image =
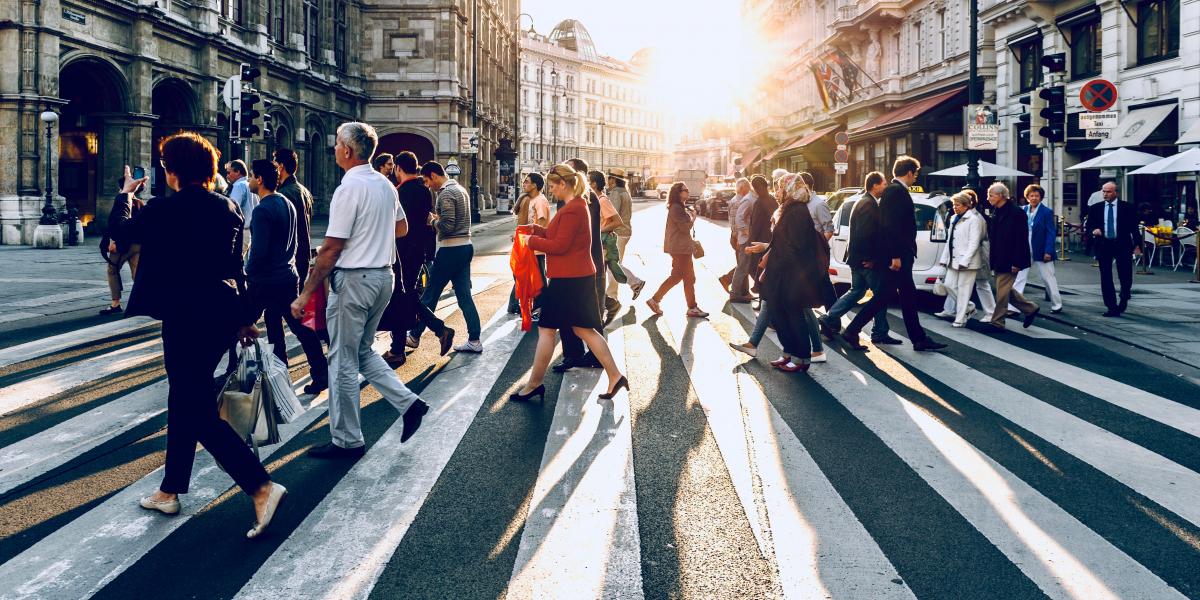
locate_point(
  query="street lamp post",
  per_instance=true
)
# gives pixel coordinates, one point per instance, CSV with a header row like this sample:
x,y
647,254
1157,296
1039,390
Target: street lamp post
x,y
475,216
49,214
973,92
517,85
554,146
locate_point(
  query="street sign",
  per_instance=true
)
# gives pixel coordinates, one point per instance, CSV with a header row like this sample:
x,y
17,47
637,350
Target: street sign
x,y
840,167
468,140
1099,120
841,156
231,91
841,138
452,169
982,126
1098,134
1098,95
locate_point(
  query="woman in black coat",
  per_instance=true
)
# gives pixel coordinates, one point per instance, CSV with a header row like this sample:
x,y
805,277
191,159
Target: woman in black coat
x,y
191,278
792,280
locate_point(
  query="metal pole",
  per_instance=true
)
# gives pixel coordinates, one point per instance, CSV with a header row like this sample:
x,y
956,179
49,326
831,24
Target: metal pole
x,y
48,213
475,216
554,146
973,92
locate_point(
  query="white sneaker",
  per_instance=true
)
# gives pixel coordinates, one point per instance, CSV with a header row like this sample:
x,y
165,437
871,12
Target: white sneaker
x,y
959,324
475,346
818,358
945,314
412,342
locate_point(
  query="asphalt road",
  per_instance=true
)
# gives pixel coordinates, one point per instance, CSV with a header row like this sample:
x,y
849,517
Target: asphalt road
x,y
1026,464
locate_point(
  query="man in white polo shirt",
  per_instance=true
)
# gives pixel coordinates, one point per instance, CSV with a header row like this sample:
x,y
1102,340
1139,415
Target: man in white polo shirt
x,y
365,218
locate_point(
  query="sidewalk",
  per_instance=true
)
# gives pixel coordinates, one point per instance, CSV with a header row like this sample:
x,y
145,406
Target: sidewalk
x,y
1163,315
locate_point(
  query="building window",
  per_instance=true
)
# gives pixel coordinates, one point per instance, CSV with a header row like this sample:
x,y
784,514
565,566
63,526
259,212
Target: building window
x,y
340,34
312,27
570,82
276,19
1158,30
1085,50
525,98
943,36
525,72
918,58
232,10
1029,57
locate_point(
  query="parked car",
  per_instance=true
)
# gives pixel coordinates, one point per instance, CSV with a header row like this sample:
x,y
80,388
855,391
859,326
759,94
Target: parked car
x,y
835,199
931,211
696,180
714,203
662,190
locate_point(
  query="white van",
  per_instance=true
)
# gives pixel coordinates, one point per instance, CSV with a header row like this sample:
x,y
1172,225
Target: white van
x,y
932,213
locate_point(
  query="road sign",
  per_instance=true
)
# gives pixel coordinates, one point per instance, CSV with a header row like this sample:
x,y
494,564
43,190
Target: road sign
x,y
1098,134
231,91
1099,120
452,169
841,156
841,138
840,167
982,126
468,140
842,147
1098,95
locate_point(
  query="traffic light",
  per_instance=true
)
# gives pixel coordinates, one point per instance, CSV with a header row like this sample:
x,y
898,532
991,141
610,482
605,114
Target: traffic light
x,y
245,109
249,109
1033,119
1054,113
1055,63
266,128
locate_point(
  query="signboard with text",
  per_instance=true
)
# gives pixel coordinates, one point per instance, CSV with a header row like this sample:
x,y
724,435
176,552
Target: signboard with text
x,y
981,127
468,140
1099,120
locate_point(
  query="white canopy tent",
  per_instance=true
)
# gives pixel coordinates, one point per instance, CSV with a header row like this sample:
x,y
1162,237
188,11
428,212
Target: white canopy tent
x,y
1121,158
986,169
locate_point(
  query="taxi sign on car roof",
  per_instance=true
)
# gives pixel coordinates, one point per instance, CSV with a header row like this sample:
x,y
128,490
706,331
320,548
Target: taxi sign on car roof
x,y
916,189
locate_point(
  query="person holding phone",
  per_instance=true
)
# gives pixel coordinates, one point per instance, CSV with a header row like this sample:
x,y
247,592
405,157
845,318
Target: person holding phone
x,y
118,253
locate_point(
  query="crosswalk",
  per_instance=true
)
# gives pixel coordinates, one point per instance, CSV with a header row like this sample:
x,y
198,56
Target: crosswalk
x,y
1009,466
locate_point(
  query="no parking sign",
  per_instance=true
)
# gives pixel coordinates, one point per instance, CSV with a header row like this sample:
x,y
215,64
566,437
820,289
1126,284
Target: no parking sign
x,y
1098,95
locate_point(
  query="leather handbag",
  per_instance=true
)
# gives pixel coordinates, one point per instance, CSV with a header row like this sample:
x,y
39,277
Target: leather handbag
x,y
697,247
245,402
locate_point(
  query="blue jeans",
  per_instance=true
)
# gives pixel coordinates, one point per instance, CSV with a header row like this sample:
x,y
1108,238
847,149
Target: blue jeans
x,y
452,265
760,324
861,279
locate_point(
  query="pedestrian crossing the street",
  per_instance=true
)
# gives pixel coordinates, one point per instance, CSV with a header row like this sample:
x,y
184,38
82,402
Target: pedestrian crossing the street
x,y
1034,464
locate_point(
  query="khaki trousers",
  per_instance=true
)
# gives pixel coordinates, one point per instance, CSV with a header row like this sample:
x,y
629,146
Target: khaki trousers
x,y
1005,295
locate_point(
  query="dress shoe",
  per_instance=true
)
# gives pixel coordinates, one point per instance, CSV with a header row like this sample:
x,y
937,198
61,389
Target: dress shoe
x,y
945,314
791,367
394,359
166,507
333,451
851,340
611,312
278,493
589,361
1123,306
446,338
827,330
782,360
818,358
621,383
539,392
886,340
412,419
745,348
1054,310
927,344
726,281
741,299
112,310
316,386
412,341
1111,313
1029,318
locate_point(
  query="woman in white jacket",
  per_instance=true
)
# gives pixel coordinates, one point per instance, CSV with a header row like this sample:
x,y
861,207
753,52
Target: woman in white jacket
x,y
964,254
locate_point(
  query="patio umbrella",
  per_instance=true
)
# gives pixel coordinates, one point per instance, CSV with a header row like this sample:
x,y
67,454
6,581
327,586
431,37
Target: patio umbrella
x,y
1120,158
1187,161
986,169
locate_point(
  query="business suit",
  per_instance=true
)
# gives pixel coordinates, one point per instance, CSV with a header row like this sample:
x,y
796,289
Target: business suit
x,y
1114,244
897,239
191,278
864,247
1009,234
1041,243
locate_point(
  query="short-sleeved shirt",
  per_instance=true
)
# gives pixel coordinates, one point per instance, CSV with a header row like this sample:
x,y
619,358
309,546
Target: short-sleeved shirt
x,y
539,208
364,211
607,210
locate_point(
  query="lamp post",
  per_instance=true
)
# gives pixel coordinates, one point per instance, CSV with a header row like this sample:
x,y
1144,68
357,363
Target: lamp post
x,y
517,84
973,92
49,214
542,102
554,147
475,216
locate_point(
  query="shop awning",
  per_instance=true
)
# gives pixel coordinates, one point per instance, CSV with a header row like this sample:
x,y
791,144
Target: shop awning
x,y
811,138
1136,126
1192,136
749,158
782,148
908,112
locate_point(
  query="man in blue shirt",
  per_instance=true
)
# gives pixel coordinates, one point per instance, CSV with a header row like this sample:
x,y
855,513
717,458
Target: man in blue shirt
x,y
239,192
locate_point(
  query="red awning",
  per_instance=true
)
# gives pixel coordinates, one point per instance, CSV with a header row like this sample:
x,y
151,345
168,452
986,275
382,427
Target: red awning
x,y
749,158
907,112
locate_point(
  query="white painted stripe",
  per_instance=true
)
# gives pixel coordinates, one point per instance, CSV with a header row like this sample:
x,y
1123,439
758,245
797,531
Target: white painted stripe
x,y
97,292
1171,485
20,395
46,450
1057,552
71,339
83,556
39,280
1151,406
347,540
580,538
18,316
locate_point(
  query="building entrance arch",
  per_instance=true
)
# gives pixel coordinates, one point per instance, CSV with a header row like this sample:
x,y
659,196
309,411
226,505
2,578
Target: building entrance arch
x,y
395,143
91,132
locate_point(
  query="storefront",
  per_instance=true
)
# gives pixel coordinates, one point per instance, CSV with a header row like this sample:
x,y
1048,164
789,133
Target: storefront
x,y
1153,128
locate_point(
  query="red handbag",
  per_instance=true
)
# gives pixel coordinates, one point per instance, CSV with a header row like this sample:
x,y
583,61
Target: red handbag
x,y
314,311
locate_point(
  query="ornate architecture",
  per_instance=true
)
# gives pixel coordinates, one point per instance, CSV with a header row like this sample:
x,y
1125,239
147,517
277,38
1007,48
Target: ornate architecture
x,y
123,74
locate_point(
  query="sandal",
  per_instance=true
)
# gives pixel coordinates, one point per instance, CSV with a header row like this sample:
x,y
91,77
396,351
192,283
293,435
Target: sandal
x,y
652,304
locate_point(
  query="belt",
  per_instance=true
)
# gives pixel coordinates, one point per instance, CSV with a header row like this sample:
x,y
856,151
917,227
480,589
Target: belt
x,y
389,268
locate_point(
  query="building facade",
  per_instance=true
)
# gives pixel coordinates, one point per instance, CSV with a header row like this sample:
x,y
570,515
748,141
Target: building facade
x,y
425,62
893,77
604,111
123,74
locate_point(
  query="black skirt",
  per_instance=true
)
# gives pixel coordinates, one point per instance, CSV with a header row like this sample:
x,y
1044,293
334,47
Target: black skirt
x,y
570,302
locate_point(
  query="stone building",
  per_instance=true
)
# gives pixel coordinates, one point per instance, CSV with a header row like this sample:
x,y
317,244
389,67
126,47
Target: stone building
x,y
417,72
123,74
895,78
605,115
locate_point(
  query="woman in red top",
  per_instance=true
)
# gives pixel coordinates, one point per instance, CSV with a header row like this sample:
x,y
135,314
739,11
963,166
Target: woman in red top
x,y
569,300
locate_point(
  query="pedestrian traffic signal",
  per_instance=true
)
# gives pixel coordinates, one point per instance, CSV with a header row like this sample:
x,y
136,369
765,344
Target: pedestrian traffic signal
x,y
1055,63
1054,113
249,113
245,109
1032,121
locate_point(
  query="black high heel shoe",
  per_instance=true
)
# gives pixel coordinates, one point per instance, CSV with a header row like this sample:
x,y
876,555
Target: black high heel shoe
x,y
621,383
539,391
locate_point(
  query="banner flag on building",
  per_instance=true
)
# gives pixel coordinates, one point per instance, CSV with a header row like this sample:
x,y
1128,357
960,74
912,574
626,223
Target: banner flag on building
x,y
827,83
837,78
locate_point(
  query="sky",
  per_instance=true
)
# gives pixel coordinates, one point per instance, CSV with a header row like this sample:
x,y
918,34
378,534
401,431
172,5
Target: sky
x,y
698,44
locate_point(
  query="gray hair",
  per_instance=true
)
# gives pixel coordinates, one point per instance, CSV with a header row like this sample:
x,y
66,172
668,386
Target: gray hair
x,y
360,138
999,189
740,181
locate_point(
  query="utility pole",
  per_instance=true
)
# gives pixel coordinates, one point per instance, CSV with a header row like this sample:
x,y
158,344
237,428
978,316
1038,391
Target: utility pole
x,y
974,94
475,216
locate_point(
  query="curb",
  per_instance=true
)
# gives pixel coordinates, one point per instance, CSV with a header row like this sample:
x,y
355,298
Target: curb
x,y
494,223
